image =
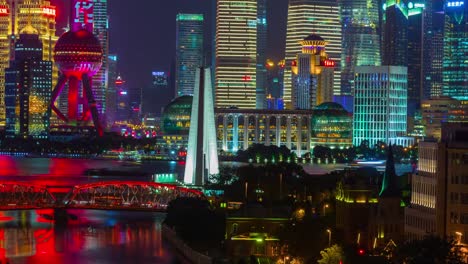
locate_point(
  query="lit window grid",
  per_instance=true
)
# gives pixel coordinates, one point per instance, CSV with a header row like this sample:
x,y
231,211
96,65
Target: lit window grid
x,y
189,53
236,37
30,12
380,106
4,60
455,62
305,18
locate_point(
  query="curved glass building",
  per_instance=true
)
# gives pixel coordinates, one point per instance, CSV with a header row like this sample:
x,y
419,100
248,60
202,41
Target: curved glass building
x,y
175,118
331,126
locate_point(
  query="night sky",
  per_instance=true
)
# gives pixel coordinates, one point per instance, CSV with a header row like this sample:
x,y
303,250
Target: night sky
x,y
142,33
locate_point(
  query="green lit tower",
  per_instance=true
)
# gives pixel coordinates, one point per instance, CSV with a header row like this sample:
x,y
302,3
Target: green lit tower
x,y
380,104
455,62
189,51
395,33
361,40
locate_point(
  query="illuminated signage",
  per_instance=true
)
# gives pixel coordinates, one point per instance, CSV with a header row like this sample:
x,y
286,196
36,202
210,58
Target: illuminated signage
x,y
455,3
48,11
3,11
247,78
123,93
86,67
328,63
158,73
85,8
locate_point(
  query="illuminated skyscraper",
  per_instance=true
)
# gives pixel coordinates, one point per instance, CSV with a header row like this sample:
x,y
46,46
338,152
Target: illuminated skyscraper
x,y
380,104
435,47
236,53
312,74
13,19
262,30
455,63
417,70
361,41
101,31
160,89
98,22
5,30
111,97
28,88
123,110
395,33
305,17
202,153
189,51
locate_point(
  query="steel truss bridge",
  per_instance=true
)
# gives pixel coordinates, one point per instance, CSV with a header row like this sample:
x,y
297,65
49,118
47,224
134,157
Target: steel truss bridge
x,y
110,195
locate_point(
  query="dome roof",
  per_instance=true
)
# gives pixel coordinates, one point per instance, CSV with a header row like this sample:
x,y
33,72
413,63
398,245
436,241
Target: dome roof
x,y
314,37
30,30
330,106
81,38
176,116
182,102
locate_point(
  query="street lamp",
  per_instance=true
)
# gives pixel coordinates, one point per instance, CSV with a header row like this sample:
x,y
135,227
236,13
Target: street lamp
x,y
459,237
324,207
329,237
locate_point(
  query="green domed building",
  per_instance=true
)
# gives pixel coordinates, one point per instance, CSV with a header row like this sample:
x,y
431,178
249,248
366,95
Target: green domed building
x,y
331,126
175,118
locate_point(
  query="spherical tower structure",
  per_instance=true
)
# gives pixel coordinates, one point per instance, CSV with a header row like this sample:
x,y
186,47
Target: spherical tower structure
x,y
78,55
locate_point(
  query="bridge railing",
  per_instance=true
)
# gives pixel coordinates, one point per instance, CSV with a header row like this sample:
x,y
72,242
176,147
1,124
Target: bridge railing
x,y
18,195
126,195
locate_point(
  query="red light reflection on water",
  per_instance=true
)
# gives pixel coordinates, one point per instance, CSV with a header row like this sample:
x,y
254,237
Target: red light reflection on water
x,y
7,166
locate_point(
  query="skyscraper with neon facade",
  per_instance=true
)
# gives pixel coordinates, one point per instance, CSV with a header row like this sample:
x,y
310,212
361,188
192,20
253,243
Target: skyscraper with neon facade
x,y
28,88
5,29
361,38
380,104
236,53
41,15
455,63
305,17
189,51
262,31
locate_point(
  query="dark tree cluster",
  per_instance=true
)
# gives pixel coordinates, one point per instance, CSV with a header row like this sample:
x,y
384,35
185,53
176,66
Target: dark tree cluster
x,y
196,222
364,150
430,250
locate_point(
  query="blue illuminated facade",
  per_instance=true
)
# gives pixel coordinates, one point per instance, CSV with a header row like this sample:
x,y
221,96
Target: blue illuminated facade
x,y
380,104
455,63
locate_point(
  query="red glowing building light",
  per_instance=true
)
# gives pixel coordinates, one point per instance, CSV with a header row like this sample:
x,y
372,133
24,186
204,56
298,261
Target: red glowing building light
x,y
49,11
294,63
329,63
247,78
4,11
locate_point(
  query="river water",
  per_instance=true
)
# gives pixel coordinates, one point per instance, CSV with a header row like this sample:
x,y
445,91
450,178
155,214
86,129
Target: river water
x,y
93,236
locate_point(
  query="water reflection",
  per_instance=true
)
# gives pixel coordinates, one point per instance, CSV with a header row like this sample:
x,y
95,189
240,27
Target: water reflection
x,y
30,236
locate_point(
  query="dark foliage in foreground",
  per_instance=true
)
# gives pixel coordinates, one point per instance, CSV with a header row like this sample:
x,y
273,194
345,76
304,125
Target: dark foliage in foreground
x,y
196,223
